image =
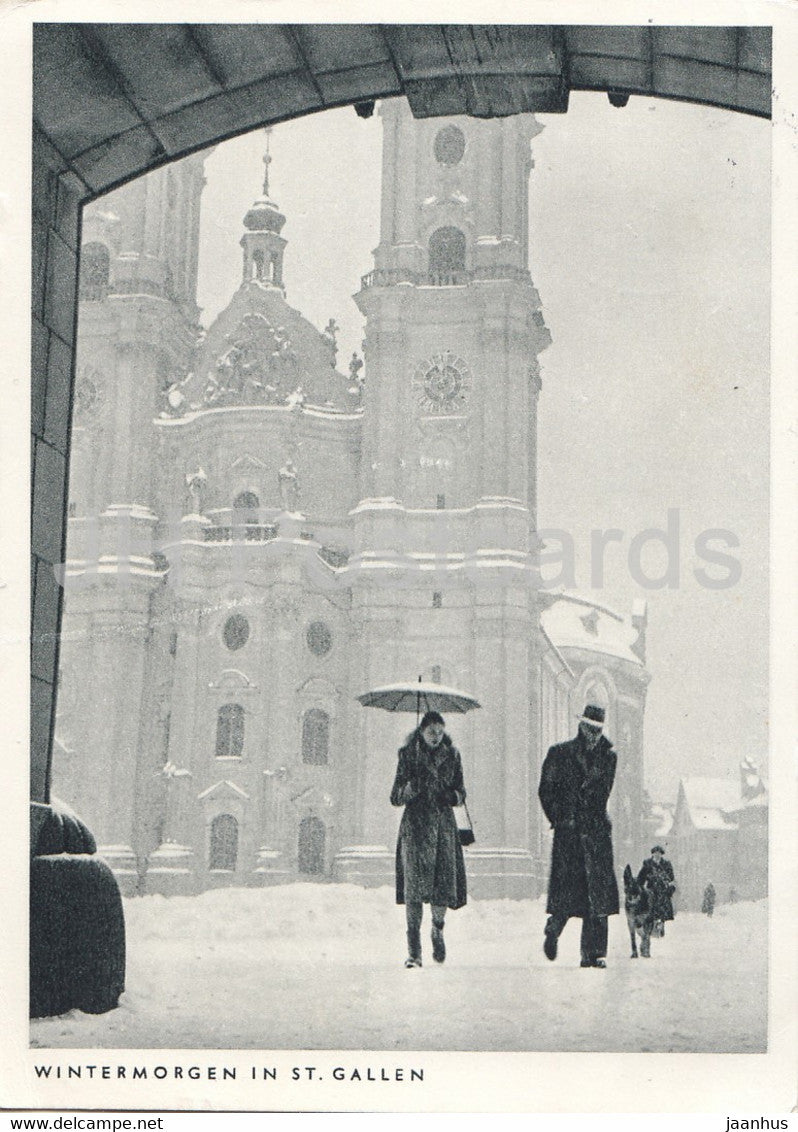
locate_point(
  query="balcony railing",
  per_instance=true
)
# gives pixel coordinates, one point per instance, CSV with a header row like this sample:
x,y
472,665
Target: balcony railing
x,y
247,532
392,277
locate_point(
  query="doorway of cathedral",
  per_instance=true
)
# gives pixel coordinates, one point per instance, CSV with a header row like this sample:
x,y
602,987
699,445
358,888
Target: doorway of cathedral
x,y
312,838
223,854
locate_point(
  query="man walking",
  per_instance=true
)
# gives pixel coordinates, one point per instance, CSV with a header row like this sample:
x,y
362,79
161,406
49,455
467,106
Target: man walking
x,y
575,784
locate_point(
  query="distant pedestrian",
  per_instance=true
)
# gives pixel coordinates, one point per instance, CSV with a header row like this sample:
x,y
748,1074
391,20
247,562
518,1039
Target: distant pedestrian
x,y
575,784
708,903
656,876
430,868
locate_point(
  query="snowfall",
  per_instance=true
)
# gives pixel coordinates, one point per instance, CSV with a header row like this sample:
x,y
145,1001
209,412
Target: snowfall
x,y
320,966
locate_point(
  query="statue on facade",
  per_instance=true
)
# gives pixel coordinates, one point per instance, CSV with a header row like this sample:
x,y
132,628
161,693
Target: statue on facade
x,y
289,487
355,377
196,483
330,335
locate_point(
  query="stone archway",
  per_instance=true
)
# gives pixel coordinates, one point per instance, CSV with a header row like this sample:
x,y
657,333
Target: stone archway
x,y
109,105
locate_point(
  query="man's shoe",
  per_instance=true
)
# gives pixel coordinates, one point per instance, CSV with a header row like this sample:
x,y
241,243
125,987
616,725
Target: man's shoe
x,y
549,944
599,963
412,962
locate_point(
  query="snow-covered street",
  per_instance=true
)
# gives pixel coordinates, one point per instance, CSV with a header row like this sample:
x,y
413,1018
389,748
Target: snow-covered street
x,y
310,966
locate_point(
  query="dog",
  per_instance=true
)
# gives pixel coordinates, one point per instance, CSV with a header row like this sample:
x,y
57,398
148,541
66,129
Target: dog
x,y
639,913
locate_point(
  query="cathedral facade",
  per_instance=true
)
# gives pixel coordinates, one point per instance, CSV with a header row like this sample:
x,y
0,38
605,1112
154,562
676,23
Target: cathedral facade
x,y
258,534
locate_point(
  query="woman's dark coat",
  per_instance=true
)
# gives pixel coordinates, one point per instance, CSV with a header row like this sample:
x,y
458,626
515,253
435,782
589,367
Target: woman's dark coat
x,y
575,784
658,879
429,858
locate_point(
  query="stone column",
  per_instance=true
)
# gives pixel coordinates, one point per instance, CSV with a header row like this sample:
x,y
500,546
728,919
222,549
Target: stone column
x,y
501,864
370,858
493,341
283,736
171,867
121,628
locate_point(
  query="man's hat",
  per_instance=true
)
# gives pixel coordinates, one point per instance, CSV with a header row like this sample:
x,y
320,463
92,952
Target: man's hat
x,y
658,849
593,715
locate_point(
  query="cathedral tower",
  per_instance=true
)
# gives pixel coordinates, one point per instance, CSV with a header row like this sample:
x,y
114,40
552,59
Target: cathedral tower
x,y
443,533
137,327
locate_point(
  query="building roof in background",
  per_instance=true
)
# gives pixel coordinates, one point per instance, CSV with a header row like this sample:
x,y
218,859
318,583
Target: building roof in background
x,y
662,814
574,622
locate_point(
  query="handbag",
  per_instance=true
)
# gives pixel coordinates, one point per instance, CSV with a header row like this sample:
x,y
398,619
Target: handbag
x,y
466,833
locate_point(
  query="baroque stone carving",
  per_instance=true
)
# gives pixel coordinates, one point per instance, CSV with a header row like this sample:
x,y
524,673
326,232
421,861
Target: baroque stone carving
x,y
288,482
260,366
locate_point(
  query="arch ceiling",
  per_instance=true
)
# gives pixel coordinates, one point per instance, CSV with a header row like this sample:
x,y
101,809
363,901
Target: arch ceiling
x,y
118,99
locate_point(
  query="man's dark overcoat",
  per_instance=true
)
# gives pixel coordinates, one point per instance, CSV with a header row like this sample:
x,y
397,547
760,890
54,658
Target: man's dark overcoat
x,y
429,857
575,785
658,879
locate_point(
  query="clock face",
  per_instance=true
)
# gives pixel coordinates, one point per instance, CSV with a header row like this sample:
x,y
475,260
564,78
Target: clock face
x,y
442,383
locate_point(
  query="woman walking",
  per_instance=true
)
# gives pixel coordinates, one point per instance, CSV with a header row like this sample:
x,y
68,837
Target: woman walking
x,y
429,857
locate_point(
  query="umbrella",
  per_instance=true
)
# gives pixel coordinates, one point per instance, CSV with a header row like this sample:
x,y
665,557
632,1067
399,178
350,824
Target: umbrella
x,y
410,695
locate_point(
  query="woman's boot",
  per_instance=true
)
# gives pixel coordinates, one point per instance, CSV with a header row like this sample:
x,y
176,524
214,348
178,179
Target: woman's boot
x,y
438,946
413,913
413,947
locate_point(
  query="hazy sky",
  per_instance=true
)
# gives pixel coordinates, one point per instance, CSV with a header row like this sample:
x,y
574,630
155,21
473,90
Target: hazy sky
x,y
650,249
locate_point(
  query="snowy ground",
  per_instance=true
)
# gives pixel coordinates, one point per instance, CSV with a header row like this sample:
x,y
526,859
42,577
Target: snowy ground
x,y
320,967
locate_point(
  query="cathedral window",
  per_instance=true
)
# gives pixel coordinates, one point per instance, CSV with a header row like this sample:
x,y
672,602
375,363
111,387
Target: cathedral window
x,y
315,737
95,271
312,836
223,854
447,255
230,732
437,600
436,674
449,145
235,632
319,638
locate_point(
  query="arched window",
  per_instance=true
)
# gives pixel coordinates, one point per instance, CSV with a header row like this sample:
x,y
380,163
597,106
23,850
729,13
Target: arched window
x,y
236,632
312,836
319,638
257,263
230,731
223,853
447,254
449,145
246,508
95,270
315,737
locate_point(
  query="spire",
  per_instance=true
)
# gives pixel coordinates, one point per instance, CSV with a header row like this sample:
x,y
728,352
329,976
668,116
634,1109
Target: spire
x,y
264,215
267,160
262,243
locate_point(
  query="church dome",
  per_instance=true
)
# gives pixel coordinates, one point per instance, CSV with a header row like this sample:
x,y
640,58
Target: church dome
x,y
264,216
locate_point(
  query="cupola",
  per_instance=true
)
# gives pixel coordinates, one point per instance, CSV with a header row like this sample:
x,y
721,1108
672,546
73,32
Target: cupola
x,y
262,243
